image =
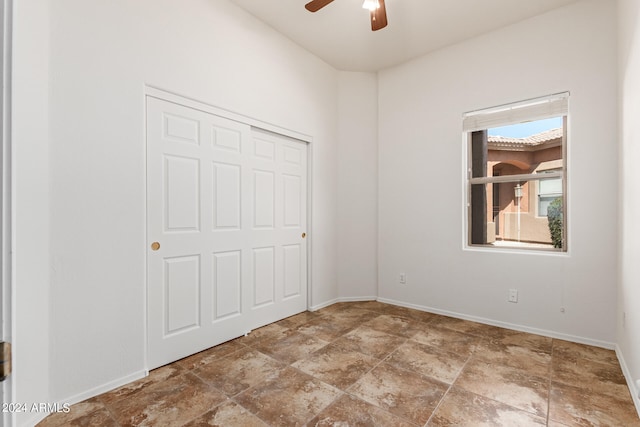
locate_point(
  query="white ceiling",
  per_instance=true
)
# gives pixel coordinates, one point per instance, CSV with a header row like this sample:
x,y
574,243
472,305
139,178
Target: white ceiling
x,y
341,34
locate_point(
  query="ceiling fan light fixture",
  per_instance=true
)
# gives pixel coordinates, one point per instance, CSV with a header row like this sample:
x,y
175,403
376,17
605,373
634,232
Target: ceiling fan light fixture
x,y
371,4
377,11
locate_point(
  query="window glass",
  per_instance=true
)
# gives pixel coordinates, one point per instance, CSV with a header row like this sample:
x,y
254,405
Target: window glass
x,y
548,191
516,176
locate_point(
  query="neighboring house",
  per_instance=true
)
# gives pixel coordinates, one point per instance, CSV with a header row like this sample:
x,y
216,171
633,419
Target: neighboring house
x,y
521,215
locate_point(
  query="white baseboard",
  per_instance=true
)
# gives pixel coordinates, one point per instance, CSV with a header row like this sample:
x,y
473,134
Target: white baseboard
x,y
634,386
634,389
111,385
357,299
341,299
324,304
35,418
506,325
30,421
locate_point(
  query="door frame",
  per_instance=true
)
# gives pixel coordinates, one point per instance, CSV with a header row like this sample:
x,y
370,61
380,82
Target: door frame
x,y
6,205
165,95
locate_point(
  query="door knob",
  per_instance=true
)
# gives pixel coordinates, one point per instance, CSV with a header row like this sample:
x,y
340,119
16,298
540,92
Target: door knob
x,y
304,235
155,246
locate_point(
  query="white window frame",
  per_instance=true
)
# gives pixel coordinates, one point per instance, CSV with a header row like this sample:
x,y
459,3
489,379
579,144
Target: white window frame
x,y
556,105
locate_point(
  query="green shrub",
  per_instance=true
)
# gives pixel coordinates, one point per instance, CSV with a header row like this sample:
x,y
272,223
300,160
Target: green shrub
x,y
555,217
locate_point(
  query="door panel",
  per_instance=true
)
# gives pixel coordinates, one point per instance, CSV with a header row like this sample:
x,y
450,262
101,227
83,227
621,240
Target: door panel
x,y
292,200
264,195
264,149
227,284
263,276
227,206
293,278
280,191
181,129
182,193
182,294
226,196
226,139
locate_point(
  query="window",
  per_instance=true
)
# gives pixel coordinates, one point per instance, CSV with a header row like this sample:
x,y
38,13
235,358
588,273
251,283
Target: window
x,y
516,174
548,190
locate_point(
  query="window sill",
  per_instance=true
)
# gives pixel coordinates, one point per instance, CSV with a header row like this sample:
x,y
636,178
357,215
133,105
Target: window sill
x,y
515,248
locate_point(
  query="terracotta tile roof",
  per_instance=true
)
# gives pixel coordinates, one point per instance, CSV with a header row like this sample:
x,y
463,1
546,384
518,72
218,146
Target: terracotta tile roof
x,y
530,142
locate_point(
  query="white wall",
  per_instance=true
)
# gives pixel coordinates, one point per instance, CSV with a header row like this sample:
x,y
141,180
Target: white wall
x,y
422,171
80,244
101,56
358,185
628,330
30,127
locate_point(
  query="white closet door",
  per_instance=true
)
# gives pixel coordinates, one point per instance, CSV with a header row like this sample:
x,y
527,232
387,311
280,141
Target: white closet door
x,y
278,224
226,213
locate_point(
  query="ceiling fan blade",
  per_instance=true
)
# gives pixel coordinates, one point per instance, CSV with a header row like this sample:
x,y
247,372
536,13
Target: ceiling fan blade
x,y
379,17
316,5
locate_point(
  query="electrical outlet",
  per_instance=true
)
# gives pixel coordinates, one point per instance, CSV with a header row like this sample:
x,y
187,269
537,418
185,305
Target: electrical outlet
x,y
403,278
513,295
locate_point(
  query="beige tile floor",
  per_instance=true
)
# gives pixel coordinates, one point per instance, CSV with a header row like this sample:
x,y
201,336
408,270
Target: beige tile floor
x,y
373,364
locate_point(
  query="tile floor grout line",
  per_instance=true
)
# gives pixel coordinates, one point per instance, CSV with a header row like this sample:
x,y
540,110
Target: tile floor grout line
x,y
345,316
384,360
550,374
435,410
111,414
342,392
381,361
232,399
290,365
346,391
206,383
108,408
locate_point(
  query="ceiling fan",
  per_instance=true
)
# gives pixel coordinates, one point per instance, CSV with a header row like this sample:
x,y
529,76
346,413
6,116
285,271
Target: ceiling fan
x,y
377,10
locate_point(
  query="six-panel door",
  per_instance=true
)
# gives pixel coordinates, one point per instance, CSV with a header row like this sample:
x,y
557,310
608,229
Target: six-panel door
x,y
226,217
